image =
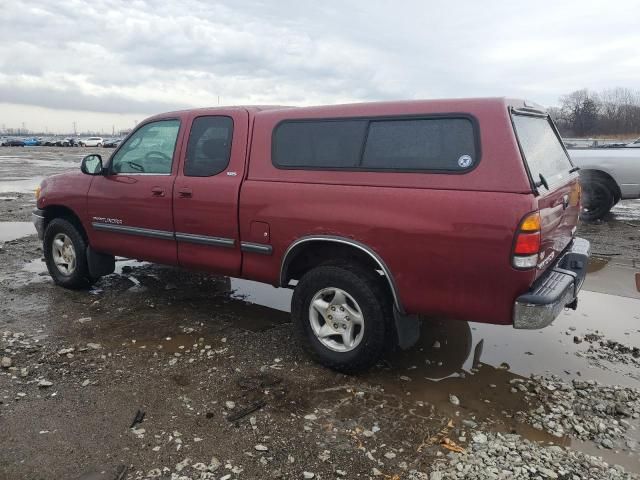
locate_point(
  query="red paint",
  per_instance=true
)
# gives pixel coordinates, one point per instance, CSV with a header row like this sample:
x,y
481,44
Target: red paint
x,y
447,239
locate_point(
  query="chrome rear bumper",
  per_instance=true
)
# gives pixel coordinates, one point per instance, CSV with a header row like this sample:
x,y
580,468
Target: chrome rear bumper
x,y
556,289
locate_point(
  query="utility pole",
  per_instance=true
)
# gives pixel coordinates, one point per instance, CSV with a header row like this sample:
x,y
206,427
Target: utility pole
x,y
75,130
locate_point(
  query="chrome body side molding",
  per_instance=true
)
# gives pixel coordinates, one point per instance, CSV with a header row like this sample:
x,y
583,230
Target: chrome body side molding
x,y
205,240
166,235
251,247
143,232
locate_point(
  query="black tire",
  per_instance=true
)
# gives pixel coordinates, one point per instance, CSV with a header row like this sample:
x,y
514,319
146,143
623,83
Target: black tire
x,y
597,198
616,198
79,277
374,302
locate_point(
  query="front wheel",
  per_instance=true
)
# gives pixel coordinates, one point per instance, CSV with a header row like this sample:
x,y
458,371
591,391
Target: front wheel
x,y
342,316
65,255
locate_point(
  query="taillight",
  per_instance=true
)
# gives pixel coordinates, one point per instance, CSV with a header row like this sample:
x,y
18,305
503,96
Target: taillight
x,y
527,242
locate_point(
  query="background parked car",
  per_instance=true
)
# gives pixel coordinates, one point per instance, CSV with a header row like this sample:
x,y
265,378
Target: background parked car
x,y
112,143
91,142
13,142
30,142
608,175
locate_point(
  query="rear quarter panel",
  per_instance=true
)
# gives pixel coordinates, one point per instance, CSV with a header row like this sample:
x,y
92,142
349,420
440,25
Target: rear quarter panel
x,y
446,238
449,251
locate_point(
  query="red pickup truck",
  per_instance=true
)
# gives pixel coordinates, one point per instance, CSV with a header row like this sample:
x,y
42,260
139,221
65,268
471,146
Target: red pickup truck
x,y
375,214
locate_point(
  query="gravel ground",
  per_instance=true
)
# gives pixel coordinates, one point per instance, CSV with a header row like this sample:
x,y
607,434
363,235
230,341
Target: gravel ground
x,y
161,373
585,410
497,456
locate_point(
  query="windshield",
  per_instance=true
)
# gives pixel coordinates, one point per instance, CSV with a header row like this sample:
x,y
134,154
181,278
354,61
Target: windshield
x,y
542,148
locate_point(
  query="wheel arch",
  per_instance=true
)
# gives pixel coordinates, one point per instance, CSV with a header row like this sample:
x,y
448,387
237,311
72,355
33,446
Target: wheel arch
x,y
61,211
295,254
594,172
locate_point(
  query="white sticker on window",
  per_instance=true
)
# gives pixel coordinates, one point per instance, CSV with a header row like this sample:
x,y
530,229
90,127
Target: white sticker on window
x,y
465,161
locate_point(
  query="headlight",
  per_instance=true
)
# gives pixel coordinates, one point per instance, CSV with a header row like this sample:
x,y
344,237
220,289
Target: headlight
x,y
37,192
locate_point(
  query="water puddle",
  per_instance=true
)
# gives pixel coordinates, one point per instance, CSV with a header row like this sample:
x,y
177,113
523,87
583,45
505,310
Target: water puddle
x,y
261,294
613,275
627,210
15,230
19,185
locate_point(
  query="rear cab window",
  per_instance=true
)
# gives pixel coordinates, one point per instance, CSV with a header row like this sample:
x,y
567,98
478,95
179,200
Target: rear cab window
x,y
437,145
542,149
209,147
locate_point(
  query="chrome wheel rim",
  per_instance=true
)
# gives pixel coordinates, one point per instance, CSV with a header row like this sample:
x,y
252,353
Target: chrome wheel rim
x,y
63,254
336,319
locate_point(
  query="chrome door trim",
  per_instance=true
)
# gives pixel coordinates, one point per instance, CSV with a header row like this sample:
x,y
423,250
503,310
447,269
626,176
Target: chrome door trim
x,y
165,235
143,232
256,248
205,240
345,241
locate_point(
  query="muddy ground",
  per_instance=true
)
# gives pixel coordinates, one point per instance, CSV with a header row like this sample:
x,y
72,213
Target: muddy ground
x,y
227,393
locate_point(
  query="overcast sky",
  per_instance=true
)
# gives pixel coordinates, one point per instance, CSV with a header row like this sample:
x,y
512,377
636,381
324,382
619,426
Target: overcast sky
x,y
107,62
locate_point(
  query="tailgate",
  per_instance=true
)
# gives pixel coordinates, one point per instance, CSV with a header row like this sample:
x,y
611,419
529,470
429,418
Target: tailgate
x,y
554,180
559,210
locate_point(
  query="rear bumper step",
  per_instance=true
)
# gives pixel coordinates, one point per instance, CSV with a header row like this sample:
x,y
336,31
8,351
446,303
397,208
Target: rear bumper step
x,y
556,289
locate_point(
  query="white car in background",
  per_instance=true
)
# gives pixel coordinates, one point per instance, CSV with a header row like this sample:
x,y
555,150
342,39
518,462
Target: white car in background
x,y
91,142
607,175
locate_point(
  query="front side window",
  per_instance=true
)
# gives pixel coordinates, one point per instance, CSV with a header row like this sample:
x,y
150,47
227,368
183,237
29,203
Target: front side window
x,y
438,144
209,146
149,150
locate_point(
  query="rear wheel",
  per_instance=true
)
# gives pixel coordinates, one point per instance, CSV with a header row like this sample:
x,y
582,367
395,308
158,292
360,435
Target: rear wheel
x,y
65,254
597,199
342,316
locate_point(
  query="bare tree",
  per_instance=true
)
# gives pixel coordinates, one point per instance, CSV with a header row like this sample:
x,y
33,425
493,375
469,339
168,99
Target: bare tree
x,y
580,109
612,111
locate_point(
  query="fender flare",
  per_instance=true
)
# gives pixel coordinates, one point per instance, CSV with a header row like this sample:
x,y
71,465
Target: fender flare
x,y
286,259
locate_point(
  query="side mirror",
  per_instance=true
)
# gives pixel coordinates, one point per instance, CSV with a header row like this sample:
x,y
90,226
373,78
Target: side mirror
x,y
91,165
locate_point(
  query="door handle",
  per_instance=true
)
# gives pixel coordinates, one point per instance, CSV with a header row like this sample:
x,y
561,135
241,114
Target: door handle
x,y
185,193
157,191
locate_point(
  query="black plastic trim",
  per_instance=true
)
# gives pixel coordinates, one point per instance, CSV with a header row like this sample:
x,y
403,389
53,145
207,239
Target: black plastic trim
x,y
205,240
256,248
143,232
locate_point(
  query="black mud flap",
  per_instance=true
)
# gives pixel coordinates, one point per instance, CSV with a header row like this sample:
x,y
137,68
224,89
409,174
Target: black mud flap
x,y
407,329
100,264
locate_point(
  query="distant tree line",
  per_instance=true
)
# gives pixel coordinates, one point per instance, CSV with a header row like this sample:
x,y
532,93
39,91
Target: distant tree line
x,y
584,112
